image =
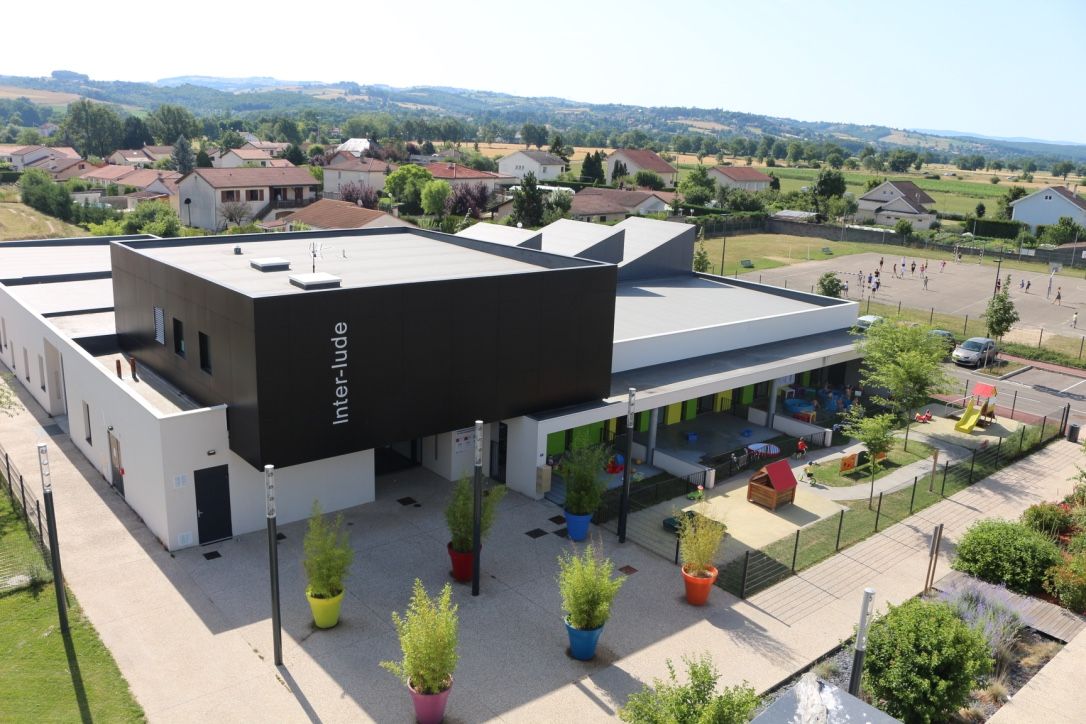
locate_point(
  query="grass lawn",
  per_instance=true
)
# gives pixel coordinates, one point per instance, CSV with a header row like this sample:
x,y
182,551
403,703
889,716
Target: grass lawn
x,y
43,675
18,221
829,473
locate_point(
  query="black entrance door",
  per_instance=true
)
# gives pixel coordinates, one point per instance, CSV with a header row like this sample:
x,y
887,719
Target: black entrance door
x,y
116,477
213,504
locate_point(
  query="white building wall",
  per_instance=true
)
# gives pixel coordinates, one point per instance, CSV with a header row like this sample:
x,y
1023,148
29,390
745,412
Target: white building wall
x,y
657,349
1040,211
526,449
452,454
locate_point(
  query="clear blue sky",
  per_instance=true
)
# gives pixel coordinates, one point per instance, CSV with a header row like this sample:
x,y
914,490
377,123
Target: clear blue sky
x,y
998,68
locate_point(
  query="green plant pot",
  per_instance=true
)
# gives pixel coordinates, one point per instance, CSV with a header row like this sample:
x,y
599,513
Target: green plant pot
x,y
325,610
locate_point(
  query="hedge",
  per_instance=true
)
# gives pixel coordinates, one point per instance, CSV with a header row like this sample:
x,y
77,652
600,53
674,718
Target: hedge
x,y
998,228
10,177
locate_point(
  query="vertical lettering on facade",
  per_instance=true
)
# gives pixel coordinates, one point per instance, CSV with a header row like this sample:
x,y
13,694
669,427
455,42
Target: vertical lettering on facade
x,y
341,411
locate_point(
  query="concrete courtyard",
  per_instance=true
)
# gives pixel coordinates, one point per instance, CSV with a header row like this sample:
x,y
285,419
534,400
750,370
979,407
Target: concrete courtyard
x,y
961,289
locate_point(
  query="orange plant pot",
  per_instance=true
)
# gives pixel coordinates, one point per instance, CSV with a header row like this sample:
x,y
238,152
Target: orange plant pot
x,y
698,587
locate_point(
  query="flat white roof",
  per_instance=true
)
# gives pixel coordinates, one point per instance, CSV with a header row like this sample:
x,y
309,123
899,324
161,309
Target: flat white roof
x,y
375,259
86,325
17,261
651,307
65,296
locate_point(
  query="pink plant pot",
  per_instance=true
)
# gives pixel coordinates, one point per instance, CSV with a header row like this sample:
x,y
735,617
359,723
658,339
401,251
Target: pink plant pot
x,y
430,708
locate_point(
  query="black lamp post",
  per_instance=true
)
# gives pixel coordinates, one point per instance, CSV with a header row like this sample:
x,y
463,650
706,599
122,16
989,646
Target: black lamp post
x,y
624,503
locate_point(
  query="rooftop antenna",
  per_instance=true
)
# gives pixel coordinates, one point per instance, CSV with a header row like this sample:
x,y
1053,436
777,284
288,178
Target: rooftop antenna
x,y
316,251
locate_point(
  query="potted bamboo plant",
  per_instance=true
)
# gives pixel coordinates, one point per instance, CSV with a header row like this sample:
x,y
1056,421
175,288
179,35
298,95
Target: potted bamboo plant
x,y
587,589
328,555
428,636
460,515
580,470
699,542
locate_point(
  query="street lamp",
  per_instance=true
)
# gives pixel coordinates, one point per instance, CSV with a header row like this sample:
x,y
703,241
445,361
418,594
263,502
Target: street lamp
x,y
624,502
54,545
273,561
477,513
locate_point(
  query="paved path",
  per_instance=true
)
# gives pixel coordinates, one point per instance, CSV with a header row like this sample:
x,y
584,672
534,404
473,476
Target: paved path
x,y
192,635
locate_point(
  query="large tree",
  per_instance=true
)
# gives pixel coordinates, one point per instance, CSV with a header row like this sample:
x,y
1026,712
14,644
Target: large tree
x,y
136,133
94,129
1062,168
529,202
1003,207
902,365
697,188
182,159
876,432
405,186
167,122
434,195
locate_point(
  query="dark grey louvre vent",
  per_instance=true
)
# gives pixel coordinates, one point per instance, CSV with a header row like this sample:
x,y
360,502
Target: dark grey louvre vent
x,y
270,263
317,280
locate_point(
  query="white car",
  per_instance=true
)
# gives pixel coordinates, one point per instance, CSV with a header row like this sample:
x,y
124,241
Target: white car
x,y
865,322
975,351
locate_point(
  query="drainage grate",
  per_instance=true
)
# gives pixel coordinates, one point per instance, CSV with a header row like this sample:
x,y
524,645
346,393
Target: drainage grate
x,y
628,570
212,555
406,501
558,519
536,533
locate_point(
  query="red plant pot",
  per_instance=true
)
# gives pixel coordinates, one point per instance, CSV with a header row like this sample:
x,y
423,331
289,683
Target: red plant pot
x,y
463,564
698,587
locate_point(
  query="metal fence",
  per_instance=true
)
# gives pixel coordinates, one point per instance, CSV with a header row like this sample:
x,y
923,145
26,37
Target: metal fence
x,y
24,558
756,570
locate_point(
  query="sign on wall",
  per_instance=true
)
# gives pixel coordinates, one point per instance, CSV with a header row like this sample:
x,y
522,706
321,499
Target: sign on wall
x,y
464,440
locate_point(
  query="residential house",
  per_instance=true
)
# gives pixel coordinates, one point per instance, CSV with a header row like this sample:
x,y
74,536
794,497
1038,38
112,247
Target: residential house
x,y
448,154
333,214
740,177
1045,207
130,157
346,168
62,168
892,201
48,129
238,157
203,193
22,156
642,159
600,204
272,148
158,153
64,152
108,174
545,166
357,147
459,175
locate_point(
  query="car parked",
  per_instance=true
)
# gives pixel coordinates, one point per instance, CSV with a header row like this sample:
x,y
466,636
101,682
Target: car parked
x,y
864,323
975,351
946,337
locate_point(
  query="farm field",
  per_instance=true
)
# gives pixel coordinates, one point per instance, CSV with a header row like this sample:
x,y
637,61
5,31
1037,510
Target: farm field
x,y
18,221
43,97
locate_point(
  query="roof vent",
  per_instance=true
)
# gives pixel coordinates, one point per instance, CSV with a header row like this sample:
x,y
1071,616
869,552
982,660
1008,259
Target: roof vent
x,y
316,280
237,249
270,263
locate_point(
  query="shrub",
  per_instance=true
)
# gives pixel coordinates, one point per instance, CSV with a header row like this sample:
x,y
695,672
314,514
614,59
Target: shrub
x,y
1067,582
1077,544
428,637
923,661
991,615
669,702
580,470
1009,553
699,540
1077,497
587,588
460,513
328,555
1050,519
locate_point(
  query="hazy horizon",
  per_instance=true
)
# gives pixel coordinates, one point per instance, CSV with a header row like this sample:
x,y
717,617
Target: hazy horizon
x,y
923,65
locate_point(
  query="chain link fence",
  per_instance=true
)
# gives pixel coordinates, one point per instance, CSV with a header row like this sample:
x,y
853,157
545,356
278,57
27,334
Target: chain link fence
x,y
24,554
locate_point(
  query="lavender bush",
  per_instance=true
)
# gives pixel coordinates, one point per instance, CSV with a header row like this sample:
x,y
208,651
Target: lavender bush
x,y
989,613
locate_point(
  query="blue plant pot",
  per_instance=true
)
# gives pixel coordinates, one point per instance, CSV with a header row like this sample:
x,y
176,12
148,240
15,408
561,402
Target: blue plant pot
x,y
577,525
582,644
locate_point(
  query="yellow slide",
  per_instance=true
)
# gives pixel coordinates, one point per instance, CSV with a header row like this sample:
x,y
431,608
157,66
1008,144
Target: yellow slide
x,y
969,418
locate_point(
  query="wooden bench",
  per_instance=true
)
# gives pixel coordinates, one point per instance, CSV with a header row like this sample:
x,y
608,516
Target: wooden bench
x,y
746,263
